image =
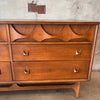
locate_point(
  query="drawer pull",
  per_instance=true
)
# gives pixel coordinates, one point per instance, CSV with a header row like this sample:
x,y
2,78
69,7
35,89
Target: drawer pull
x,y
25,53
26,71
78,52
76,70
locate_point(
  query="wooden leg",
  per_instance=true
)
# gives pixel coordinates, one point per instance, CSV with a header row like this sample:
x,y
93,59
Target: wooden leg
x,y
76,88
14,87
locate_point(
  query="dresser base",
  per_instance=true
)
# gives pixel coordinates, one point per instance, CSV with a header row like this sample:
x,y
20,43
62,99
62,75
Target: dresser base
x,y
15,87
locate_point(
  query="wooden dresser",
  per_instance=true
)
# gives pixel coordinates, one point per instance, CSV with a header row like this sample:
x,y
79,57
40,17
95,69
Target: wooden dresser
x,y
45,54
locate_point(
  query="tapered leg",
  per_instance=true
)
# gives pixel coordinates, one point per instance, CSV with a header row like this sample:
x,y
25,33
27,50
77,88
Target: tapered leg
x,y
76,88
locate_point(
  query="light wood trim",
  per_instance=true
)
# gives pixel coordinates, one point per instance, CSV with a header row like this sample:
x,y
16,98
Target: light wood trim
x,y
47,22
3,42
51,42
44,81
93,51
10,51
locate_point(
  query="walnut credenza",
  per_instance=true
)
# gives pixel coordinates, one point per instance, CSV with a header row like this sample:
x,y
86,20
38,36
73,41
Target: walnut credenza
x,y
46,55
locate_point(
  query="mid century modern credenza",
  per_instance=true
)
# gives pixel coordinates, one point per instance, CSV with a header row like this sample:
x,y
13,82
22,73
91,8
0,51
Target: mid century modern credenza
x,y
46,54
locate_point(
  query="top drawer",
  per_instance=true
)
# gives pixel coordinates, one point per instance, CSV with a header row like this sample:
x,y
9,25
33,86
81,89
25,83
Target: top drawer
x,y
3,33
51,52
52,32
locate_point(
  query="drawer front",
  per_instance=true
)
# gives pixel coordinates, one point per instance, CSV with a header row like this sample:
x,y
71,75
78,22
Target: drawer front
x,y
28,71
5,71
3,33
4,53
51,52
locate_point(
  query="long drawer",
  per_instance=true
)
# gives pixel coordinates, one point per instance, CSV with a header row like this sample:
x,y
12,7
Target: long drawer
x,y
5,71
30,71
51,52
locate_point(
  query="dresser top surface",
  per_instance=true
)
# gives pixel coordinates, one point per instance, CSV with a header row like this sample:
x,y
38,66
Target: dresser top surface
x,y
47,22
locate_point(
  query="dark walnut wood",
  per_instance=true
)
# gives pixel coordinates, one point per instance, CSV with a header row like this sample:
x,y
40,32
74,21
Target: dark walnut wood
x,y
46,54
